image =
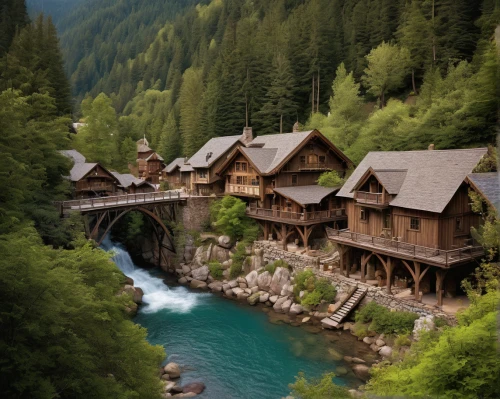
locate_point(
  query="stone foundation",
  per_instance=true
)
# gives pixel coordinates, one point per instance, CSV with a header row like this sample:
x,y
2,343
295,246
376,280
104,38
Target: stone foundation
x,y
195,212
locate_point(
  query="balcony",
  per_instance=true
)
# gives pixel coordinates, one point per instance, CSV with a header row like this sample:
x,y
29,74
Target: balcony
x,y
284,216
249,190
94,186
315,166
433,256
365,198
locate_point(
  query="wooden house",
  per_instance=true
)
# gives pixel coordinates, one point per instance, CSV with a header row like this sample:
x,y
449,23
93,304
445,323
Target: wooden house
x,y
129,184
207,160
277,174
178,173
92,180
150,164
409,216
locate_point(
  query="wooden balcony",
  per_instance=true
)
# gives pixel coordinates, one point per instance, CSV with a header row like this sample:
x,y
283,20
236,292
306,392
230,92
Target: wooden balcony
x,y
366,198
302,218
432,256
94,186
242,189
315,166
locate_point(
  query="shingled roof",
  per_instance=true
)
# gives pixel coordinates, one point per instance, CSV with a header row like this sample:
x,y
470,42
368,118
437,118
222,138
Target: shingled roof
x,y
79,170
126,179
176,163
216,147
186,168
306,195
488,185
74,155
431,180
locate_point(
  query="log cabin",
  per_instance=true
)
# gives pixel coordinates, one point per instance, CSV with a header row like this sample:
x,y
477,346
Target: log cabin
x,y
409,220
276,175
129,184
178,173
92,180
150,163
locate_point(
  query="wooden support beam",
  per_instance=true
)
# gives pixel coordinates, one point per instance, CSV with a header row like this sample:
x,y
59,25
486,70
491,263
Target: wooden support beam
x,y
363,267
389,268
440,276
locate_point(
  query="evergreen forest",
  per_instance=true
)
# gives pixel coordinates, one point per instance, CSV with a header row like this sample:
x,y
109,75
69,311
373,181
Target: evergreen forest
x,y
369,74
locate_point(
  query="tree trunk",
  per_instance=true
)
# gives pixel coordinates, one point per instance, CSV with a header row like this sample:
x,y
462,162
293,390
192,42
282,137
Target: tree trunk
x,y
413,82
382,99
312,112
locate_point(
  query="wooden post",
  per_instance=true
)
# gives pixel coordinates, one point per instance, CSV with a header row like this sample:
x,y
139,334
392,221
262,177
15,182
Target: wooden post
x,y
341,259
440,276
348,262
283,235
389,270
363,268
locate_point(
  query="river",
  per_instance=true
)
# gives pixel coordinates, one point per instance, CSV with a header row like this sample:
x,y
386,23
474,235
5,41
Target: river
x,y
230,346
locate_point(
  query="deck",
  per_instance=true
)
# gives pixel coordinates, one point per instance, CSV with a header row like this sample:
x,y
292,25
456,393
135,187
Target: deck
x,y
297,218
90,204
432,256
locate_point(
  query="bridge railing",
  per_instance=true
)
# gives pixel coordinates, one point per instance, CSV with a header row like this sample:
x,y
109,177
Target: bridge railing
x,y
99,202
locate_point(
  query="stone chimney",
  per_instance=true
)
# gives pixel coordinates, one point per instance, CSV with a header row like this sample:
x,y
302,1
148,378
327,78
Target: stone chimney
x,y
247,135
431,147
296,127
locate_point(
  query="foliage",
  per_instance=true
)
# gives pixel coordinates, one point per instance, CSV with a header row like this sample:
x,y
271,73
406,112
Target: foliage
x,y
316,290
324,388
383,321
64,329
326,290
461,362
229,216
304,281
402,340
312,298
330,179
216,270
237,260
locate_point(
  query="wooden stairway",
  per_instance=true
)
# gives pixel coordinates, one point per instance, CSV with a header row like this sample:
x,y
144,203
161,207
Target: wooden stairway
x,y
349,304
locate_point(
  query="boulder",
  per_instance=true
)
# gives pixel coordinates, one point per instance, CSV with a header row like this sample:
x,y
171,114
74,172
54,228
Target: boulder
x,y
252,279
225,287
368,340
224,242
182,280
242,296
306,319
219,254
195,387
129,280
286,306
374,347
248,291
273,298
254,298
280,278
165,377
237,291
243,285
173,370
362,371
357,360
186,269
340,370
301,294
264,297
333,307
385,351
169,385
380,342
185,395
216,286
197,284
176,389
233,284
227,264
424,323
138,294
348,359
296,309
279,303
254,290
348,326
201,273
264,281
229,292
287,290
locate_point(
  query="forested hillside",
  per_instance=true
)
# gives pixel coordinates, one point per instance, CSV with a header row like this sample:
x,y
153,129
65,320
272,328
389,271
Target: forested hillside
x,y
430,62
55,8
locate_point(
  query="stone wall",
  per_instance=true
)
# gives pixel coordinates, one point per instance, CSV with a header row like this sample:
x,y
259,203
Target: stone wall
x,y
195,212
378,294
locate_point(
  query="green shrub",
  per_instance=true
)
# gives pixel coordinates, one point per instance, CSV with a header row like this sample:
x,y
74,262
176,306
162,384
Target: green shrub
x,y
360,330
270,267
229,217
440,322
402,340
326,289
216,270
311,298
238,258
383,321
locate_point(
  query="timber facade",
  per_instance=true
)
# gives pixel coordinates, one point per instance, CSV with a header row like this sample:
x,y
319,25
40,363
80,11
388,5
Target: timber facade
x,y
409,220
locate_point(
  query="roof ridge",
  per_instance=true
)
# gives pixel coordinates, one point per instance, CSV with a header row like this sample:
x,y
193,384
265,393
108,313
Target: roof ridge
x,y
429,151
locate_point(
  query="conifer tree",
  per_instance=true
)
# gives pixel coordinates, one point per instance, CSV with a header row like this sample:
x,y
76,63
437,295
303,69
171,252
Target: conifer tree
x,y
190,101
170,143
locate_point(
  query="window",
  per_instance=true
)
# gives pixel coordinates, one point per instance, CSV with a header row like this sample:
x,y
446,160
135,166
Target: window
x,y
241,180
302,159
459,224
240,167
295,180
415,224
322,159
387,219
363,214
202,174
255,181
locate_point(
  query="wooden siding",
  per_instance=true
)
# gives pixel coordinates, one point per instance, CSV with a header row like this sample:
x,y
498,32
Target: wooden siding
x,y
426,236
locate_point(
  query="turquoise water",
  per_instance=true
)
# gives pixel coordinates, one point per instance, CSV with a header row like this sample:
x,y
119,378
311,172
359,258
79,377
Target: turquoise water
x,y
229,346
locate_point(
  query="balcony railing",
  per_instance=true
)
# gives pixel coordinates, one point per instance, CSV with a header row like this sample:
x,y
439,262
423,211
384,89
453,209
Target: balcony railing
x,y
243,189
94,186
315,166
297,216
445,257
369,198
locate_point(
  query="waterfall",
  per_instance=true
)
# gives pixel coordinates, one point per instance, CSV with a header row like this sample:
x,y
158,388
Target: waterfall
x,y
157,295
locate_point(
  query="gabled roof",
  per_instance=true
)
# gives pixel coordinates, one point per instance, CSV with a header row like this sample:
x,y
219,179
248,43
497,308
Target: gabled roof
x,y
79,170
186,168
126,180
391,179
176,163
270,152
216,147
431,180
154,155
143,148
74,155
488,185
306,195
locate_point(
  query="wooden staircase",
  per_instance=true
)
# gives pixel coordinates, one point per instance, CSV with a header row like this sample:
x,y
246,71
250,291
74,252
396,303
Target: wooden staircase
x,y
341,313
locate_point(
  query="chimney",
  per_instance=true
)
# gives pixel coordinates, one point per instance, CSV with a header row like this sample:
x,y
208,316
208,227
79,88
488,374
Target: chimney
x,y
296,127
431,147
185,160
247,135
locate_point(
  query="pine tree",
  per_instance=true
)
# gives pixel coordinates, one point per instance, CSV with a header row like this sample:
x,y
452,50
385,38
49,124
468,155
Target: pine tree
x,y
170,140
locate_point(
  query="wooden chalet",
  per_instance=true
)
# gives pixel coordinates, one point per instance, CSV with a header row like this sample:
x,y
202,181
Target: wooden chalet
x,y
150,163
178,173
129,184
409,220
277,174
205,163
92,180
